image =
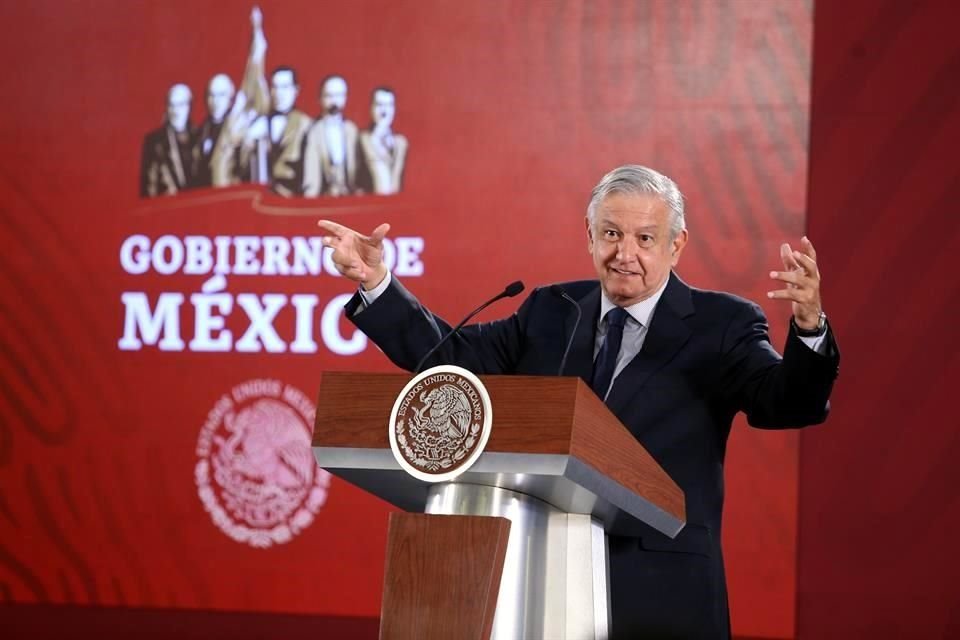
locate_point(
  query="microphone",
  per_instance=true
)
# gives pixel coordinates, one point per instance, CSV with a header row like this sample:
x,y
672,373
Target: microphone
x,y
558,291
511,290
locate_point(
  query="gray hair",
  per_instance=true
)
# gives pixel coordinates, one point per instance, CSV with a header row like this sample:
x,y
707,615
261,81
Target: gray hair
x,y
633,178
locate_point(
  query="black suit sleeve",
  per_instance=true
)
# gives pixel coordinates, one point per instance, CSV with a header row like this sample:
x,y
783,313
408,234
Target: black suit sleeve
x,y
405,330
775,392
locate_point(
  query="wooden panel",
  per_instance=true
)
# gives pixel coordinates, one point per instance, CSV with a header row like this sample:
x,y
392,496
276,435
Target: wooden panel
x,y
612,450
442,576
532,414
353,409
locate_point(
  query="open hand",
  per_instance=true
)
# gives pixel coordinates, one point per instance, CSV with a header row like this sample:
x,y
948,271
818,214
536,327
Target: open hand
x,y
356,256
803,283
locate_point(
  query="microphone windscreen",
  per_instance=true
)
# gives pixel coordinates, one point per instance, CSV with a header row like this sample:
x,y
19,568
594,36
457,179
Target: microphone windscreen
x,y
557,290
513,289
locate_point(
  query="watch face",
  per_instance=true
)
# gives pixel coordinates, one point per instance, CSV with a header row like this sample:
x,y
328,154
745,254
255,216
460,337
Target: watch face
x,y
822,325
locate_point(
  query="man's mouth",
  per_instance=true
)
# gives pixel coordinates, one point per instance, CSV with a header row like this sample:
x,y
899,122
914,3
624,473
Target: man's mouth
x,y
623,272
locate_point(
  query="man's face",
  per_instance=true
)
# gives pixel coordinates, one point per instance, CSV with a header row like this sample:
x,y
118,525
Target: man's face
x,y
178,107
219,96
333,98
631,246
283,91
383,108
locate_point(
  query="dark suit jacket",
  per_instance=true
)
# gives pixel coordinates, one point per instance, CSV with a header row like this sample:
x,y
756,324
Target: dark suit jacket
x,y
205,140
165,164
706,356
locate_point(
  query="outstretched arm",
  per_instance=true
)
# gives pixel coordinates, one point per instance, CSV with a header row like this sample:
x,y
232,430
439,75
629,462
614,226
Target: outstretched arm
x,y
254,84
405,329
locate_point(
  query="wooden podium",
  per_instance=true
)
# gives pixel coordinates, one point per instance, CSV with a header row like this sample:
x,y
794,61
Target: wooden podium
x,y
515,547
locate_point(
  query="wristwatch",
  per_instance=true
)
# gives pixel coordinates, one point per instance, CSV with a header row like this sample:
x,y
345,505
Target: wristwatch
x,y
811,333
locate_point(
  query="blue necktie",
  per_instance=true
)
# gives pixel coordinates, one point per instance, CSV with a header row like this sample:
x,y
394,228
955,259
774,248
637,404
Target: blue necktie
x,y
606,362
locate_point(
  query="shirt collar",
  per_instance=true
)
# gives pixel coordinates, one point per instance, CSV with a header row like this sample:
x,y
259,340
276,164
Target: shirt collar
x,y
641,311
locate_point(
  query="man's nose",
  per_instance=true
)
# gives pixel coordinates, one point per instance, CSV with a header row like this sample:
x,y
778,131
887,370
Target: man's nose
x,y
626,248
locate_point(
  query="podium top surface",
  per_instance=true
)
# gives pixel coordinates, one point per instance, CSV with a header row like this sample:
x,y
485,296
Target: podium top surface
x,y
552,438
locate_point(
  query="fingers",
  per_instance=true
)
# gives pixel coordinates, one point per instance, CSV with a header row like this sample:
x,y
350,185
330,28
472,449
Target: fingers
x,y
795,278
800,289
336,229
805,273
794,295
807,248
340,231
803,260
802,280
786,255
344,256
378,234
800,274
806,262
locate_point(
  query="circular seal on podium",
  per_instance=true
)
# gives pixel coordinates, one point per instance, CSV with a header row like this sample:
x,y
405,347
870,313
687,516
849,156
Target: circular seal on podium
x,y
440,423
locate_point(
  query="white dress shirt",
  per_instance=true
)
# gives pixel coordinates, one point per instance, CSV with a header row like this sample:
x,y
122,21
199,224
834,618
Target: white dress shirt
x,y
336,139
634,331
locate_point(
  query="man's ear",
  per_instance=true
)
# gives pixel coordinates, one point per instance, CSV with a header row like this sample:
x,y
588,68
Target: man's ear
x,y
589,228
676,247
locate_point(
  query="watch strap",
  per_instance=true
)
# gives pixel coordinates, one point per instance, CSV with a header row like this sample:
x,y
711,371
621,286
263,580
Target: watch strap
x,y
811,333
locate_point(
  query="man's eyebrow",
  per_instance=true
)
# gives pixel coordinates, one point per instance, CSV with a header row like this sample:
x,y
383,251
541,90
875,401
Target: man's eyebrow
x,y
644,229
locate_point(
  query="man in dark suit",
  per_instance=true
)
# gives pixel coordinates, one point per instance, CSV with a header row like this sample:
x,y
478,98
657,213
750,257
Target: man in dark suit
x,y
674,363
165,159
220,93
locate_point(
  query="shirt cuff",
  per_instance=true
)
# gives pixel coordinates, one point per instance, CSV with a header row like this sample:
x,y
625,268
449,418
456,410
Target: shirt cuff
x,y
369,297
817,343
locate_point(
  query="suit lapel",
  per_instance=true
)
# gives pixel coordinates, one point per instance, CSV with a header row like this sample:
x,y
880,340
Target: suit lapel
x,y
667,334
580,360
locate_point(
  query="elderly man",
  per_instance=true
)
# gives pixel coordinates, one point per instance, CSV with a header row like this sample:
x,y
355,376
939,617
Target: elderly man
x,y
330,158
220,92
165,167
383,153
673,363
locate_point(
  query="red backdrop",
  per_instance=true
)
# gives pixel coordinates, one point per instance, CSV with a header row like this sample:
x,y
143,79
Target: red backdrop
x,y
513,111
879,514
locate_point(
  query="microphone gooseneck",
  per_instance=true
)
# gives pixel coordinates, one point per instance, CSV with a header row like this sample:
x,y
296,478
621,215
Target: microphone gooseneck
x,y
511,290
558,291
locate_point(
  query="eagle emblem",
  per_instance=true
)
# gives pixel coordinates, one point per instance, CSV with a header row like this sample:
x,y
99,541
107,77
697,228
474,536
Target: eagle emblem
x,y
440,423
